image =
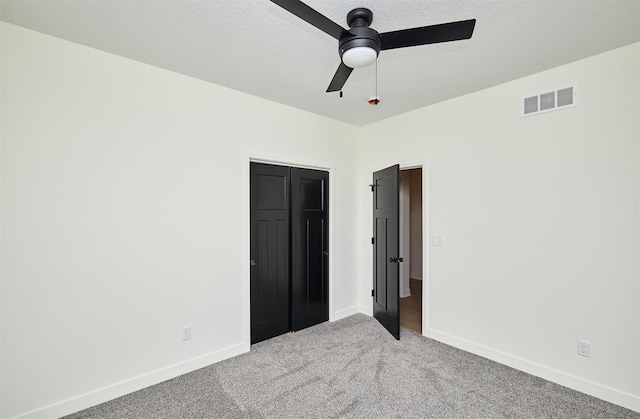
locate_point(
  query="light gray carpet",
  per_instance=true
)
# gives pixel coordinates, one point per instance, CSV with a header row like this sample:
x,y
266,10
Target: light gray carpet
x,y
353,368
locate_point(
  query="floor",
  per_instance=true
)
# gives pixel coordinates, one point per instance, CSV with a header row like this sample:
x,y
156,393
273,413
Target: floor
x,y
411,307
352,369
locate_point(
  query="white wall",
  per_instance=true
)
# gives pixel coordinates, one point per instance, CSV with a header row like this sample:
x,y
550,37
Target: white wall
x,y
124,218
541,222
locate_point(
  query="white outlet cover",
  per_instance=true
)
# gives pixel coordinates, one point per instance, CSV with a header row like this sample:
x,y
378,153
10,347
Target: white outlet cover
x,y
186,333
584,348
437,241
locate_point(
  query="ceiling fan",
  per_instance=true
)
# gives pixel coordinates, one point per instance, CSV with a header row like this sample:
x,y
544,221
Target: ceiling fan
x,y
360,45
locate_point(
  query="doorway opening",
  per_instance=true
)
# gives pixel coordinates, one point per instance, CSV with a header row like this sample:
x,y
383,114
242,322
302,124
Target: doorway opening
x,y
411,301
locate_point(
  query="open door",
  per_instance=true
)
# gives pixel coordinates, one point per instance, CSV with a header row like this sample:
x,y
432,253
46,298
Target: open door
x,y
386,295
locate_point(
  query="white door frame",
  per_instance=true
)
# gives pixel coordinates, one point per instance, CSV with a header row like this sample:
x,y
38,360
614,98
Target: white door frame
x,y
424,165
405,236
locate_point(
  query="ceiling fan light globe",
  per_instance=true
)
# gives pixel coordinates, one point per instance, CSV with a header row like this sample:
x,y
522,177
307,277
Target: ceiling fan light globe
x,y
358,57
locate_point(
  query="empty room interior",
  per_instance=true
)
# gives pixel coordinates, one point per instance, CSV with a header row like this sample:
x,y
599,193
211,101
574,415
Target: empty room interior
x,y
129,136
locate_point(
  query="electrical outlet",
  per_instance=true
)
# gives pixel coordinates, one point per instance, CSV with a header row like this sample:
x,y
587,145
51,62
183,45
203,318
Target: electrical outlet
x,y
186,333
584,348
437,241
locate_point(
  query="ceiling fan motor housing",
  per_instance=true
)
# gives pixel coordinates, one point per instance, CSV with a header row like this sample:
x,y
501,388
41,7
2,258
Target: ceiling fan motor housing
x,y
363,36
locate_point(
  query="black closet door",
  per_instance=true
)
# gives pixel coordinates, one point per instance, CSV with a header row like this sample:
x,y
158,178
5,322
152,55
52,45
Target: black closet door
x,y
270,280
309,247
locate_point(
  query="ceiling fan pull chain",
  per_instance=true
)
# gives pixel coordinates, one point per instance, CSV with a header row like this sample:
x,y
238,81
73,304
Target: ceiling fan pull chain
x,y
374,100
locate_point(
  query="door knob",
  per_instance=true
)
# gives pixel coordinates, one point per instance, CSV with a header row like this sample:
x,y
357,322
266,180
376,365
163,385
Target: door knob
x,y
400,259
393,260
326,253
252,262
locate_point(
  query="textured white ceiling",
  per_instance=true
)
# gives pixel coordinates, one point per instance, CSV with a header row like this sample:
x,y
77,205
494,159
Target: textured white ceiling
x,y
256,47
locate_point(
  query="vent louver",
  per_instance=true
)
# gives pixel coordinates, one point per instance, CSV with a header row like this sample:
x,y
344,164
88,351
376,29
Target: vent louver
x,y
549,101
531,104
565,96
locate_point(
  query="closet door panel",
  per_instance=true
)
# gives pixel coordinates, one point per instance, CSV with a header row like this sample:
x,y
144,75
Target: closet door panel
x,y
270,249
309,247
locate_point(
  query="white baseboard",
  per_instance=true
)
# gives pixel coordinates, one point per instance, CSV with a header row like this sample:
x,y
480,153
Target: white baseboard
x,y
368,310
341,314
122,388
591,388
105,394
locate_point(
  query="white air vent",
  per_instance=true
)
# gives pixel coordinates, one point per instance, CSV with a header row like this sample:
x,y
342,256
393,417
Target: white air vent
x,y
549,101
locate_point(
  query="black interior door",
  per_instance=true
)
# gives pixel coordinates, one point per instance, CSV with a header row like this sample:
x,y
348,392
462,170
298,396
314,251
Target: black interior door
x,y
309,248
270,280
386,295
289,249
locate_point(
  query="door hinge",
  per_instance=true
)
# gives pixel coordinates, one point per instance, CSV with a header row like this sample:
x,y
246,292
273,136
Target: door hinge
x,y
373,187
373,293
373,240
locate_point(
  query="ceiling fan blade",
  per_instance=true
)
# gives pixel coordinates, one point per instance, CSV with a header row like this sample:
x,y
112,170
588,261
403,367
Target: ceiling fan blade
x,y
313,17
452,31
340,78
